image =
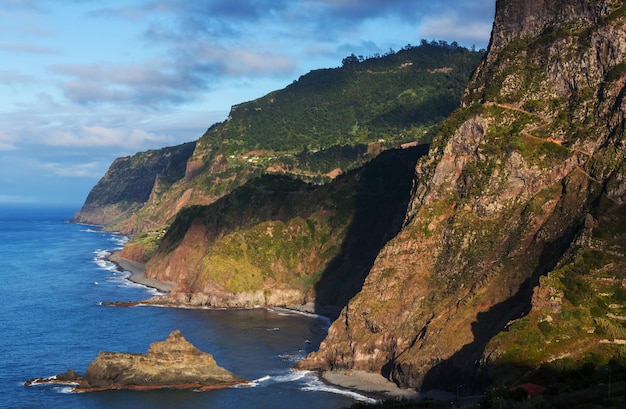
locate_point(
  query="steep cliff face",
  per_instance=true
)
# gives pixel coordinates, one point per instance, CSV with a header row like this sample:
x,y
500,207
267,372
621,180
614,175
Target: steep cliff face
x,y
132,181
280,241
511,186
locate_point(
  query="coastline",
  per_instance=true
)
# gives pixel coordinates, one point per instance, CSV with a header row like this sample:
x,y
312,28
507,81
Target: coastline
x,y
359,381
137,272
369,383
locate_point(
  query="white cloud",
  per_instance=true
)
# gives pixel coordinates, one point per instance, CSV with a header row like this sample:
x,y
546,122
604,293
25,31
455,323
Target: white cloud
x,y
16,199
28,48
99,136
74,170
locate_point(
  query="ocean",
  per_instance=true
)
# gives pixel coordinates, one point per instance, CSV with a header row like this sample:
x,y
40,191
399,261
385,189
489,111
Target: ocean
x,y
54,278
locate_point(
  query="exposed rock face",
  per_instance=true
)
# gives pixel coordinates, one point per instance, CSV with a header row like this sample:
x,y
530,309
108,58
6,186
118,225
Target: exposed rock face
x,y
277,241
502,199
132,181
516,19
173,363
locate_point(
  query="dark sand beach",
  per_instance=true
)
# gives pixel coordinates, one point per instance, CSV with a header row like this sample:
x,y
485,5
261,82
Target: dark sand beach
x,y
137,272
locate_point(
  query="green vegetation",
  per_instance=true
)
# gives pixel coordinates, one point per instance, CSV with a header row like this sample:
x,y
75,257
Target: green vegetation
x,y
279,232
334,120
388,97
617,72
577,328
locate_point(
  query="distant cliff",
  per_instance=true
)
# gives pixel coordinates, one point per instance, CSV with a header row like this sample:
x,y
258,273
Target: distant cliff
x,y
130,182
512,253
324,124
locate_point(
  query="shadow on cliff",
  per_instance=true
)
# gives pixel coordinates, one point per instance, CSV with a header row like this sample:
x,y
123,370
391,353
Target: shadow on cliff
x,y
464,372
381,199
370,201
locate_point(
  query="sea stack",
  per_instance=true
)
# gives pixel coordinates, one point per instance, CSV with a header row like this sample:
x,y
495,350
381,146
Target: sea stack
x,y
173,363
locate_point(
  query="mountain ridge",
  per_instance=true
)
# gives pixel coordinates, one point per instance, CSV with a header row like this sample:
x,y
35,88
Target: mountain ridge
x,y
326,123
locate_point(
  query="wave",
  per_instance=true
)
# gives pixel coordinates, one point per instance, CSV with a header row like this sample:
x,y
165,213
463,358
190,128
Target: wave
x,y
65,389
310,383
125,282
92,231
294,356
314,384
286,312
119,240
267,380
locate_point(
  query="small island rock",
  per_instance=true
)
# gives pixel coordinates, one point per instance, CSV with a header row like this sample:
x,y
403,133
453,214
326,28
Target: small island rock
x,y
173,363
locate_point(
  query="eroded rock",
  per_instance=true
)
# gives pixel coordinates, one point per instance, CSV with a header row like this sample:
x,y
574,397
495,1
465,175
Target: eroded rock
x,y
174,363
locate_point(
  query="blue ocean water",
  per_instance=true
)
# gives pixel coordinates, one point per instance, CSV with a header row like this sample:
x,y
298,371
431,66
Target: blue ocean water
x,y
53,281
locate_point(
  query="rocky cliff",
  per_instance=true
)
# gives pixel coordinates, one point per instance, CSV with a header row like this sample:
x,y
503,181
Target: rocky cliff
x,y
512,251
324,124
280,241
131,182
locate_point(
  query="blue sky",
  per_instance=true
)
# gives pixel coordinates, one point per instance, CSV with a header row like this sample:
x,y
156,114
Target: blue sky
x,y
84,81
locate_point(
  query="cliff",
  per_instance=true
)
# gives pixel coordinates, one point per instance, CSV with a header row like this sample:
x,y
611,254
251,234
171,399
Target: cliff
x,y
131,182
326,123
280,241
512,251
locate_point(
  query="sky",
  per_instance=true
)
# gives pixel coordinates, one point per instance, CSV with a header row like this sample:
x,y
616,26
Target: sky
x,y
83,82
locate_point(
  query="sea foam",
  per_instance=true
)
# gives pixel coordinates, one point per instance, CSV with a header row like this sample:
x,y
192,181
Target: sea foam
x,y
314,384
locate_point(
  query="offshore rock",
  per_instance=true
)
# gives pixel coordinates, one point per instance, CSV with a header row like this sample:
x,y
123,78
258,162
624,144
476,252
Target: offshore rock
x,y
173,363
69,377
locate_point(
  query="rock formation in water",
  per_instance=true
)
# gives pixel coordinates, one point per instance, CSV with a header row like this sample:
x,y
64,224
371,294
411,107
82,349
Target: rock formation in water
x,y
174,363
512,252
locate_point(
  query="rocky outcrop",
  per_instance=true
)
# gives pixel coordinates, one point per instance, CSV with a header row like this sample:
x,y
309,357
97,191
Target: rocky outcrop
x,y
500,202
515,20
173,363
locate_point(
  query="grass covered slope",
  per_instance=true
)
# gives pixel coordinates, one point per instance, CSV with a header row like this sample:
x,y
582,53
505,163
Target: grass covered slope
x,y
278,241
333,120
324,124
395,97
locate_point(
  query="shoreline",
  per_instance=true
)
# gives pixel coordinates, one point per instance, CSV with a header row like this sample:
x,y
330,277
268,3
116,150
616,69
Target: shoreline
x,y
137,272
369,384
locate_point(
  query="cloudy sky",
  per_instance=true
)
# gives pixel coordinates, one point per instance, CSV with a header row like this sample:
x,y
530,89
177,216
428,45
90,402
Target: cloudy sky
x,y
85,81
